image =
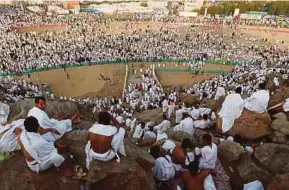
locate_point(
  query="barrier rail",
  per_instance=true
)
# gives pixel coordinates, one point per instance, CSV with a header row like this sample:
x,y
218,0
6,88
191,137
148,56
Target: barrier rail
x,y
114,62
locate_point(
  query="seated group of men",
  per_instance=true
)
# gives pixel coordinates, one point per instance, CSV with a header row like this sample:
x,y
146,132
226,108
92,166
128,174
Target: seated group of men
x,y
177,167
36,136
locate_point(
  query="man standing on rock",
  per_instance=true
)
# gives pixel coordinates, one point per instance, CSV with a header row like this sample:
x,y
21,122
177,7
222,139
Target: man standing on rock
x,y
232,109
61,126
105,141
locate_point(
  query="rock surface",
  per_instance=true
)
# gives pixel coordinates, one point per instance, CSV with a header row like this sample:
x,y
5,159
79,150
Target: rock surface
x,y
155,115
280,96
15,175
279,182
249,125
281,125
249,171
274,157
133,172
230,150
188,99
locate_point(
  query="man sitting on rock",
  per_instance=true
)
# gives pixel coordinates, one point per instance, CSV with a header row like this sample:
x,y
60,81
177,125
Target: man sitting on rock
x,y
105,140
232,109
203,123
186,125
163,126
61,126
39,154
163,170
258,101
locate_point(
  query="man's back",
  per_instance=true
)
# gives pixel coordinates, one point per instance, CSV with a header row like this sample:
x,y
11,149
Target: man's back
x,y
100,137
196,182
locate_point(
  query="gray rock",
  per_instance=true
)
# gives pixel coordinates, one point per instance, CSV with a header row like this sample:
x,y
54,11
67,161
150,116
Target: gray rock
x,y
249,171
280,115
281,126
230,150
279,182
274,157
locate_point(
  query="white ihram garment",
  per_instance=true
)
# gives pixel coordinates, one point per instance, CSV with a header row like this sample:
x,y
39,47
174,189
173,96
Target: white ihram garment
x,y
117,144
4,112
164,125
258,101
44,153
163,169
220,92
231,109
45,122
209,157
8,141
186,125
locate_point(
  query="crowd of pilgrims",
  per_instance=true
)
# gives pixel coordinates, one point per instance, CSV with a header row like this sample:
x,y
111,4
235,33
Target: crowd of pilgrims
x,y
20,51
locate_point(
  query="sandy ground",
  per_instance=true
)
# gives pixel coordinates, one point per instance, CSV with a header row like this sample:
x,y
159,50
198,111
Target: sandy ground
x,y
84,81
185,79
273,35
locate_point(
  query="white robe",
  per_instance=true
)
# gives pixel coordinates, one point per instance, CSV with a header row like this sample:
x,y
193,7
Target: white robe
x,y
186,125
117,144
231,109
220,92
202,124
45,122
163,169
209,157
4,112
164,125
258,101
8,141
138,132
44,153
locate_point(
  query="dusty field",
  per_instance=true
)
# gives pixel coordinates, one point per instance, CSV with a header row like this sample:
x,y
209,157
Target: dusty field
x,y
84,81
273,35
185,79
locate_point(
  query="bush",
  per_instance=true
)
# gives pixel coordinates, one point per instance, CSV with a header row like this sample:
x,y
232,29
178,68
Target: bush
x,y
144,4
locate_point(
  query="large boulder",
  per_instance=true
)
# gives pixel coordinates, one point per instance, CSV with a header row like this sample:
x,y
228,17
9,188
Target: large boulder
x,y
155,115
249,125
279,97
15,175
188,99
179,136
126,175
215,105
279,182
230,150
249,171
133,171
278,137
281,125
274,157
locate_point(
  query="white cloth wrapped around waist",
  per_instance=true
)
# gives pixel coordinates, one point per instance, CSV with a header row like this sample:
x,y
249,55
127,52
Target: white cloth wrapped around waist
x,y
44,153
91,155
